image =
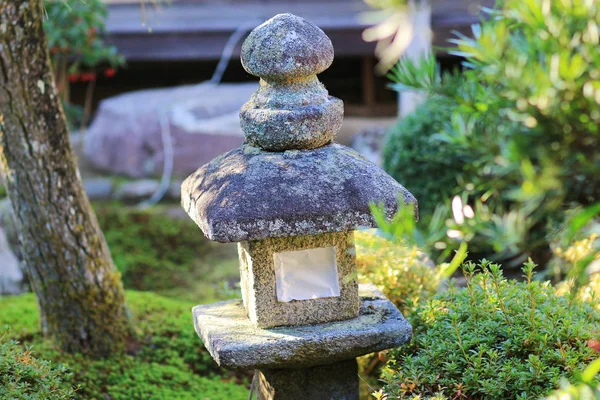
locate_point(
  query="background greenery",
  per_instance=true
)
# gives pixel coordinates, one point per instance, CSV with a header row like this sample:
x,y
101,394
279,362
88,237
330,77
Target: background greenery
x,y
503,159
78,51
518,127
512,141
168,254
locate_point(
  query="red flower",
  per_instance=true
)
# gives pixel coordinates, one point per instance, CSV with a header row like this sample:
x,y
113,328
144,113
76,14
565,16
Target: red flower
x,y
88,76
109,73
73,77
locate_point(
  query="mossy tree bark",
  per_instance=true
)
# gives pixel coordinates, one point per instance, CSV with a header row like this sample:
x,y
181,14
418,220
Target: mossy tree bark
x,y
68,262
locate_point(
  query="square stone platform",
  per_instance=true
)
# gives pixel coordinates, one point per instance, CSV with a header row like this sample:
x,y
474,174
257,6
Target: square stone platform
x,y
235,343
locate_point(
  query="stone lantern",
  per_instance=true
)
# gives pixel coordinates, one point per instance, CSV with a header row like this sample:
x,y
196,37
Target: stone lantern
x,y
291,198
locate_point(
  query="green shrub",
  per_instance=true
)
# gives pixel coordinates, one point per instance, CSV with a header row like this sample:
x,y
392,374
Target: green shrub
x,y
587,390
494,339
589,292
170,362
527,113
75,33
415,157
404,274
22,376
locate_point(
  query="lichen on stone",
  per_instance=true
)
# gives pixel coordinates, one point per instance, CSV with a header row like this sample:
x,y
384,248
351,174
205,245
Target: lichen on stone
x,y
235,342
259,284
250,194
291,109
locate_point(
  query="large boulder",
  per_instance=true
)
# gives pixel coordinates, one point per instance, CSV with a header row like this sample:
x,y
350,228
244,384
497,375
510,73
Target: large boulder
x,y
203,121
7,223
11,276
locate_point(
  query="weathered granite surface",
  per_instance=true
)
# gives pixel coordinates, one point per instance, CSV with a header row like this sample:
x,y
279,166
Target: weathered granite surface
x,y
259,290
291,109
235,343
203,121
338,381
250,194
286,47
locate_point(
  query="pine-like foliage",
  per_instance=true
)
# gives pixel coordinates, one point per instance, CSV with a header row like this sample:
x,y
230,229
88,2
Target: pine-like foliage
x,y
494,339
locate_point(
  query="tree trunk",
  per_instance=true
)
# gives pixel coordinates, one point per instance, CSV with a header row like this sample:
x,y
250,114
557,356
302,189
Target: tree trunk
x,y
68,262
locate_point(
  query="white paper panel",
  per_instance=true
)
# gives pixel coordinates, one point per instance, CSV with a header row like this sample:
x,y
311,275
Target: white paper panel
x,y
306,274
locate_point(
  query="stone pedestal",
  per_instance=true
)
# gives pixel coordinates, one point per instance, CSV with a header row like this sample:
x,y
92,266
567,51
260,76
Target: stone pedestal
x,y
236,343
336,381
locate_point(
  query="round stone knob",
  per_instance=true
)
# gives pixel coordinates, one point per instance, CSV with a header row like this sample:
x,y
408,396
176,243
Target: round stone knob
x,y
286,47
291,109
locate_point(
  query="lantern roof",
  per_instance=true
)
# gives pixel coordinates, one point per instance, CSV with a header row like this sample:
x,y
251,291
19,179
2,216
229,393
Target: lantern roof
x,y
289,178
252,194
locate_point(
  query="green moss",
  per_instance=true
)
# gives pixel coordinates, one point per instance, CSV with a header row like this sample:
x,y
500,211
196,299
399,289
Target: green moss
x,y
155,251
3,193
170,362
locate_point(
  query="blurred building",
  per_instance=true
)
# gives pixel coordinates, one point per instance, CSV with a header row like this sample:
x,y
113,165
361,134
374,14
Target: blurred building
x,y
181,41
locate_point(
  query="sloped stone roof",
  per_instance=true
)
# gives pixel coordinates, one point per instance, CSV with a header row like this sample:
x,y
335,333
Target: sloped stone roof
x,y
252,194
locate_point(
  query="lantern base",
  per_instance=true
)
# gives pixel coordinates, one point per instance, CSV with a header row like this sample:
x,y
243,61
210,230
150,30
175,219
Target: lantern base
x,y
338,381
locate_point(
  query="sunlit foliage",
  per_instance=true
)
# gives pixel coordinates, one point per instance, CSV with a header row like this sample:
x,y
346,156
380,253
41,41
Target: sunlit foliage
x,y
78,49
404,274
527,115
23,376
494,339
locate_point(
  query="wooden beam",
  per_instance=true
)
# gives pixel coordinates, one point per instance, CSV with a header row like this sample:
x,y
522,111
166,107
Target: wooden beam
x,y
368,81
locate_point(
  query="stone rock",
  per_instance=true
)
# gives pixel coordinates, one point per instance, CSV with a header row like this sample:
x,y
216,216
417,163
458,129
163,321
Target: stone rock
x,y
250,194
11,276
369,143
98,188
137,190
291,109
235,343
286,47
338,381
203,121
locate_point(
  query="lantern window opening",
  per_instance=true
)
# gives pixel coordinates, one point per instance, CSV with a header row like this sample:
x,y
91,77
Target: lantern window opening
x,y
306,274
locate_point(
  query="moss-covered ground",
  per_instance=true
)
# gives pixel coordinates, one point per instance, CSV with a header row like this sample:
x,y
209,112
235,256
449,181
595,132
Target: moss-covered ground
x,y
164,252
168,267
170,362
